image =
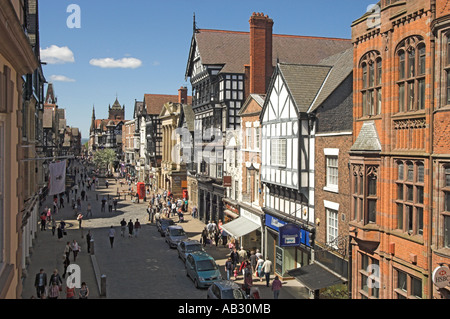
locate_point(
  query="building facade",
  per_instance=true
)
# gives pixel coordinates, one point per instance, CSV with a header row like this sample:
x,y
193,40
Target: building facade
x,y
400,155
21,108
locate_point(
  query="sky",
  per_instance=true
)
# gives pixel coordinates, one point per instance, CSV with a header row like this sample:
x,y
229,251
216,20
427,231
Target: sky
x,y
97,50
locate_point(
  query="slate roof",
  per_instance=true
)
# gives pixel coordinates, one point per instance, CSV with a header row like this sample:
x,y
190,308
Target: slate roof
x,y
304,82
368,140
232,49
188,116
311,85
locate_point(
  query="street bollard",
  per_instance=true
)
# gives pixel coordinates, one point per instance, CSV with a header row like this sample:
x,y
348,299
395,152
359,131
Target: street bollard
x,y
103,286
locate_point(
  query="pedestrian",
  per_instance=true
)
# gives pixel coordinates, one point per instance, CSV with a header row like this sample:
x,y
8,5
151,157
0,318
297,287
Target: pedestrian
x,y
88,241
111,234
103,204
43,220
123,227
267,268
61,202
130,229
55,278
224,235
60,232
89,210
53,292
242,254
67,249
259,271
115,204
53,226
204,236
79,218
75,250
70,292
137,227
234,257
110,205
248,282
253,260
229,268
83,293
276,287
40,282
66,263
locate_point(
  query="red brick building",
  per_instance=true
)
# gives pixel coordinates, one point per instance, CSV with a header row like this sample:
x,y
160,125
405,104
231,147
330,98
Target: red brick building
x,y
400,161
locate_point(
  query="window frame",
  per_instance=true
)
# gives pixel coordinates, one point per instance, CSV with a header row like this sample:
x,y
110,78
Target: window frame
x,y
410,200
411,80
361,198
406,292
371,66
445,206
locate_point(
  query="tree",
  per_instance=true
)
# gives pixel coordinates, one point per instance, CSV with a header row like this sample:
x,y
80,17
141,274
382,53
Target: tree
x,y
104,158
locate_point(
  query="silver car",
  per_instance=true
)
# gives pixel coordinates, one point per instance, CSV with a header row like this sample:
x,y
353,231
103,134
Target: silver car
x,y
175,234
186,247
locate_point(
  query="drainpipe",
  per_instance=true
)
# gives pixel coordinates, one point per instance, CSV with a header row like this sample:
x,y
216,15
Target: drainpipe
x,y
431,129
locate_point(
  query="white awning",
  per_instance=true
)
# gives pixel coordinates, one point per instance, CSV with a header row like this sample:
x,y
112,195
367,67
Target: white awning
x,y
240,227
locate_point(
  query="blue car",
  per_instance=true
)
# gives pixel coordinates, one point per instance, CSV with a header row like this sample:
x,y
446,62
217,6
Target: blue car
x,y
202,269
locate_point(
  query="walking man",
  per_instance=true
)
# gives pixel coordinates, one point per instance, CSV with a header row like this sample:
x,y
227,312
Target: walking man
x,y
112,234
40,282
137,226
267,268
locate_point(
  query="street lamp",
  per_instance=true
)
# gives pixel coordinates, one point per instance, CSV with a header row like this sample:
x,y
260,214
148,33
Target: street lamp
x,y
252,169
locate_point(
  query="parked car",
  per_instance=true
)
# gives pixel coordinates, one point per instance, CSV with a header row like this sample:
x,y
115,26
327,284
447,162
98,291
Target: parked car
x,y
175,234
202,269
186,247
162,225
225,289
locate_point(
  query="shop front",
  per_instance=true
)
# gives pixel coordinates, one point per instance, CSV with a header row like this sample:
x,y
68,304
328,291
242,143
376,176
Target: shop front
x,y
288,244
247,229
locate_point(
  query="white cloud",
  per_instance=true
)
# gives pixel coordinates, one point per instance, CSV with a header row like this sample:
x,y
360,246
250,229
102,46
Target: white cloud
x,y
125,63
156,63
60,78
57,55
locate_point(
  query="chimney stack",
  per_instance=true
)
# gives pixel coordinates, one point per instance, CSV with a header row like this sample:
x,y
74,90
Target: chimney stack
x,y
182,95
261,64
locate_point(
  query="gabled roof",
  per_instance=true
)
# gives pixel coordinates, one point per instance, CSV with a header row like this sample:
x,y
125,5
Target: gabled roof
x,y
342,67
231,49
258,98
154,102
304,82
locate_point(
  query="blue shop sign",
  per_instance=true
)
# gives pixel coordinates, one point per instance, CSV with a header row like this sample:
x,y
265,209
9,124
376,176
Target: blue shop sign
x,y
289,235
274,223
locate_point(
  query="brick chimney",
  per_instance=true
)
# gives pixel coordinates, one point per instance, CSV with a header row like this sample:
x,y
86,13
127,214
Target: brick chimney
x,y
261,66
182,95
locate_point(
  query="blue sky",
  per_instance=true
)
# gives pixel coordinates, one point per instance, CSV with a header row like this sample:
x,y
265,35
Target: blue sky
x,y
136,47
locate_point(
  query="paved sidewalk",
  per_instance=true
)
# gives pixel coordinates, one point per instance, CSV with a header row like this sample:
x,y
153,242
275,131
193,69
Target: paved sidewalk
x,y
48,251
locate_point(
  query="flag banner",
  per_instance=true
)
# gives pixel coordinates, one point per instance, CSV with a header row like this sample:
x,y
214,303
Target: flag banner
x,y
57,178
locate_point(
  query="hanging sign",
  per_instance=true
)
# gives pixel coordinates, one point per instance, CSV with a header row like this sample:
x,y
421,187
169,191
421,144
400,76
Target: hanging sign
x,y
441,276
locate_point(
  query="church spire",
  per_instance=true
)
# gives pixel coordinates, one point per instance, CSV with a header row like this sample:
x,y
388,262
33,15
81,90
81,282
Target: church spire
x,y
93,118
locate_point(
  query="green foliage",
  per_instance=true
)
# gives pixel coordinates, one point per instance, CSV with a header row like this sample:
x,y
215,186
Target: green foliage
x,y
335,292
104,158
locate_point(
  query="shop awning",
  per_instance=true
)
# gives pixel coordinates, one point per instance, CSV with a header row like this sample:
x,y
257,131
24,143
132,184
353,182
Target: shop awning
x,y
315,277
240,227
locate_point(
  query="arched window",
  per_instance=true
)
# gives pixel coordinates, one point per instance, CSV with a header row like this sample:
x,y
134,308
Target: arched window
x,y
411,55
371,68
